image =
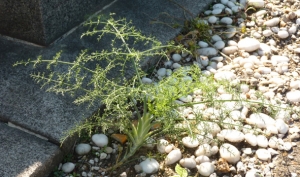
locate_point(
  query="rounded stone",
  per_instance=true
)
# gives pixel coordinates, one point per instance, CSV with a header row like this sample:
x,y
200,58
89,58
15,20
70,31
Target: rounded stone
x,y
230,153
249,44
100,140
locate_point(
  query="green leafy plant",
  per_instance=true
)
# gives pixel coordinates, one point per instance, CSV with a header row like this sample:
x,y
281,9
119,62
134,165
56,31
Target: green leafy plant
x,y
91,79
122,94
181,172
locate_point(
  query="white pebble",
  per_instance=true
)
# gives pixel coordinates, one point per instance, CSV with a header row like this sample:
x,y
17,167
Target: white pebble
x,y
216,38
283,34
68,167
282,127
293,96
219,44
82,149
267,33
226,20
176,65
263,154
229,50
230,153
188,162
233,135
272,22
208,51
146,80
225,75
176,57
190,142
228,11
273,142
249,44
256,3
212,19
251,139
260,120
262,141
293,29
149,166
206,168
218,6
162,72
217,11
174,156
202,44
100,140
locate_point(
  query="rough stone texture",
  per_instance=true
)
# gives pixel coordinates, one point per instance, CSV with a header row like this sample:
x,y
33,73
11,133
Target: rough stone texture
x,y
24,155
23,103
43,21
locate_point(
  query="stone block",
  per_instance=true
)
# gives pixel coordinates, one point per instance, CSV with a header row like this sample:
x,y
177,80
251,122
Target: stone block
x,y
43,21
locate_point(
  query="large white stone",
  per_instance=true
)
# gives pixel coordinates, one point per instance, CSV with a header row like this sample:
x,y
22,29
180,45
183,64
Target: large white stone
x,y
283,34
272,22
282,127
249,44
190,142
68,167
149,166
233,135
100,140
188,162
251,139
293,96
262,141
256,3
206,168
174,156
230,153
204,149
82,149
263,154
260,120
230,50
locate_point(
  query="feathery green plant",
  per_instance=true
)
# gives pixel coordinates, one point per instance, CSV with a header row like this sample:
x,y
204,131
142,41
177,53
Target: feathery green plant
x,y
90,78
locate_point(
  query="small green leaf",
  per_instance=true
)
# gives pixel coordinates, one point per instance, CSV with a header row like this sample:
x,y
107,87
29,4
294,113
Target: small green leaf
x,y
181,171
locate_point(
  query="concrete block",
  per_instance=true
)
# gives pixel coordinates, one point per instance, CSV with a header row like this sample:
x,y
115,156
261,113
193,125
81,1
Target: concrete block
x,y
24,155
43,21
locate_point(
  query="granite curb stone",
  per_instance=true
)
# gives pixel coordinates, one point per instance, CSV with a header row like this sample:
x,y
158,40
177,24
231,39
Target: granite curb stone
x,y
23,103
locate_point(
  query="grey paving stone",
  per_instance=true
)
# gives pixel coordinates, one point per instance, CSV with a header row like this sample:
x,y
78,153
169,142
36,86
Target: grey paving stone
x,y
42,21
24,155
23,103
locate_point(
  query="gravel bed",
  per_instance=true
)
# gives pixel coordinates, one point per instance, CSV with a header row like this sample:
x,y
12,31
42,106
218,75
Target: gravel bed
x,y
255,44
